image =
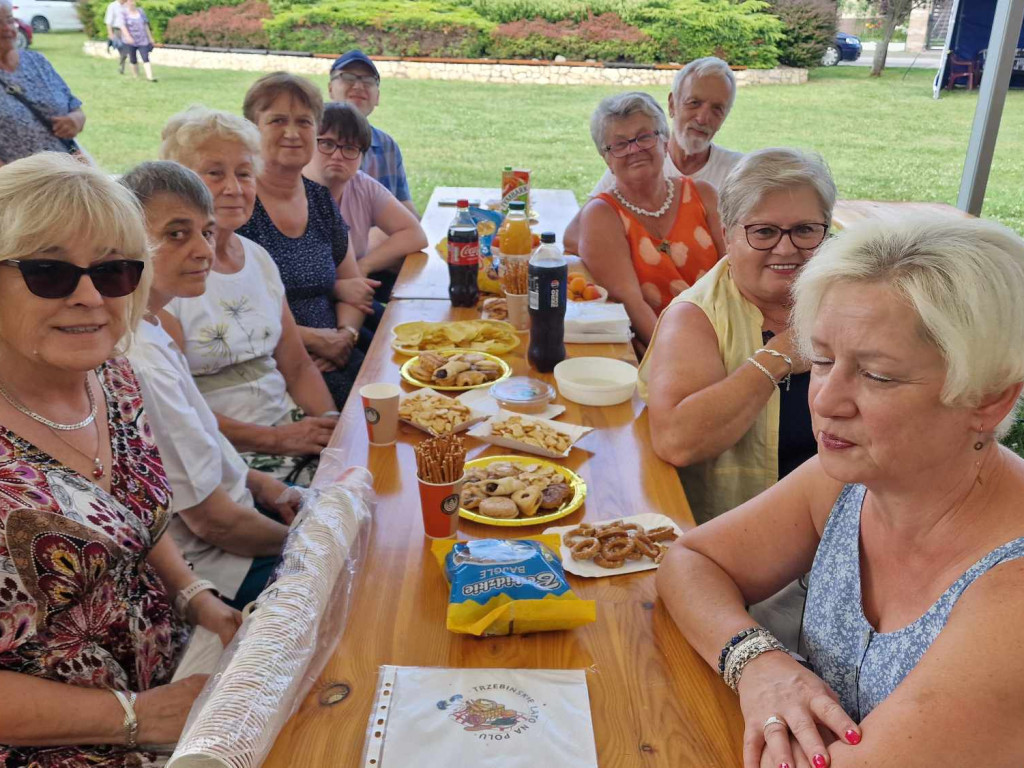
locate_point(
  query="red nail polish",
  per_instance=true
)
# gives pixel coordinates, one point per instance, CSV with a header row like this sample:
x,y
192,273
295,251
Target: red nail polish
x,y
819,761
783,765
853,737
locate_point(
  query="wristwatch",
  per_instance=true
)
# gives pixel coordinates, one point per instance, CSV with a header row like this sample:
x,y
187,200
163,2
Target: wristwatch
x,y
353,331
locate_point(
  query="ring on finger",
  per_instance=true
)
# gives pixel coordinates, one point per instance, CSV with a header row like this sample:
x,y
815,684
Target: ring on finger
x,y
773,720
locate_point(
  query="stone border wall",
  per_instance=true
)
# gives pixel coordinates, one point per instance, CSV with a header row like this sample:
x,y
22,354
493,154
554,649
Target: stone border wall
x,y
542,73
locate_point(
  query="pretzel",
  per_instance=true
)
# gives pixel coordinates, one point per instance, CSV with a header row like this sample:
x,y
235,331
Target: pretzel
x,y
662,533
617,549
585,549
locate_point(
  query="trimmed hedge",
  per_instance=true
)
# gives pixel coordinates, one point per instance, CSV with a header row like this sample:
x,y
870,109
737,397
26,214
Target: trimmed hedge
x,y
810,27
222,27
743,32
384,27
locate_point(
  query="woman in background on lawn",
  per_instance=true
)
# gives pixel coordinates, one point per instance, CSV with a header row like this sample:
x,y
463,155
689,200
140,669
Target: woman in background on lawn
x,y
298,222
365,203
650,238
908,519
55,116
87,577
239,337
138,37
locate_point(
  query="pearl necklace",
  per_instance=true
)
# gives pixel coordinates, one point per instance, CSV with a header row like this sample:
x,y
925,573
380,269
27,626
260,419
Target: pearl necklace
x,y
53,424
669,186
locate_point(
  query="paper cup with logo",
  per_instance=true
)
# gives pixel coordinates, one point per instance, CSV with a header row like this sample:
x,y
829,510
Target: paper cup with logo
x,y
440,503
380,406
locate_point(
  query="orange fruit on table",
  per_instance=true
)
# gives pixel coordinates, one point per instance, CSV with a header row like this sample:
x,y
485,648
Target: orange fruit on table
x,y
590,293
577,284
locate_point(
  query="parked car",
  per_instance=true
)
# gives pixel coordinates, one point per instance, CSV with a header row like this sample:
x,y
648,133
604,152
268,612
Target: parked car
x,y
46,15
24,35
845,48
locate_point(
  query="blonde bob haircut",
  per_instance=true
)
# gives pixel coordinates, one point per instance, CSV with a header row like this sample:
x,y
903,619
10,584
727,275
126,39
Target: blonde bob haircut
x,y
186,132
963,277
50,200
775,169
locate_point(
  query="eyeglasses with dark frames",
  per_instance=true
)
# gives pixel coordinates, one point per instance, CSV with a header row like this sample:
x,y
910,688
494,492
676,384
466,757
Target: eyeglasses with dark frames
x,y
328,147
764,237
56,279
370,81
643,141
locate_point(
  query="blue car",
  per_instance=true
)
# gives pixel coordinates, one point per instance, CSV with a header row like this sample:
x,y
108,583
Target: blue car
x,y
845,48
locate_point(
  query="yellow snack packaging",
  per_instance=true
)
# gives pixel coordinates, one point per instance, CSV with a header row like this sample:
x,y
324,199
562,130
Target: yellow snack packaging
x,y
509,586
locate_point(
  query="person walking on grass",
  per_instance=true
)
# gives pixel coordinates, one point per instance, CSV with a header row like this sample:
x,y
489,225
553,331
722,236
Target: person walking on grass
x,y
113,18
137,37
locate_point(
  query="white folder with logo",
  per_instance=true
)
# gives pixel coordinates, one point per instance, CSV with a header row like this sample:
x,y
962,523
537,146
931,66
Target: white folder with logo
x,y
513,718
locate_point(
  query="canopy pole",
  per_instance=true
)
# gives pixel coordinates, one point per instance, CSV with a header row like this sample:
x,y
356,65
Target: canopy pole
x,y
1002,49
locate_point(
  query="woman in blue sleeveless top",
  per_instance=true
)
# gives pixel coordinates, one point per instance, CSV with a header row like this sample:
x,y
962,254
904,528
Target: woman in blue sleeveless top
x,y
908,519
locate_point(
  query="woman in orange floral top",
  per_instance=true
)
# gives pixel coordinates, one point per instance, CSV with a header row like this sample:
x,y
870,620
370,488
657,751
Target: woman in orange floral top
x,y
87,578
651,237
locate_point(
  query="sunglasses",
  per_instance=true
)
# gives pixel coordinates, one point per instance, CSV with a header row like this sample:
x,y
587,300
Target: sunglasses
x,y
55,279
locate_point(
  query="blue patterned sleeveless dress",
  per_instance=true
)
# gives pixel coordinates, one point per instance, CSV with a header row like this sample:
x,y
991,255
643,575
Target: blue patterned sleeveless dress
x,y
861,665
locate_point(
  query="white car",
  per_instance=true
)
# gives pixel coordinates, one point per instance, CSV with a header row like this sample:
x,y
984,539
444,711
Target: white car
x,y
46,15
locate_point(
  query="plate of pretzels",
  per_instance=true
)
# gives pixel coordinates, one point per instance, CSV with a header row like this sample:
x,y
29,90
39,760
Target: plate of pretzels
x,y
454,369
519,490
613,547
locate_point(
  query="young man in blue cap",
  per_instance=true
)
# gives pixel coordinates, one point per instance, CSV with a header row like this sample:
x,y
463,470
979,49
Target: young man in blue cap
x,y
355,79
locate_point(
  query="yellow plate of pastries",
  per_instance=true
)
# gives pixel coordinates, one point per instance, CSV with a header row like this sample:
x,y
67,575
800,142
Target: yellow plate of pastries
x,y
513,491
493,336
454,369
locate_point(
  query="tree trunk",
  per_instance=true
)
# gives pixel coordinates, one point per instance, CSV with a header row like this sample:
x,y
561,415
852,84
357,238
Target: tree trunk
x,y
878,63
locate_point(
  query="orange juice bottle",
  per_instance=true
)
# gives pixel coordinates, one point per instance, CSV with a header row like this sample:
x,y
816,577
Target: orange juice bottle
x,y
514,236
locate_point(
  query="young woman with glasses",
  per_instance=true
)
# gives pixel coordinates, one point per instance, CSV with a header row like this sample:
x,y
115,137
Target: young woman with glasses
x,y
365,203
649,238
726,386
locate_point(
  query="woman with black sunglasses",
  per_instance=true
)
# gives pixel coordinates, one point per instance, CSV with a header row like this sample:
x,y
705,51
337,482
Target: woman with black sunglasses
x,y
87,580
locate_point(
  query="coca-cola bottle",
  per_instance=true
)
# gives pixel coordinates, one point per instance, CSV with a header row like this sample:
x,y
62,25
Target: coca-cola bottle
x,y
463,258
548,275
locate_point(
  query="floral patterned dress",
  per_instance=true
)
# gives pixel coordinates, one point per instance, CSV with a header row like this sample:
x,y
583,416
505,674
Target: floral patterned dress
x,y
78,602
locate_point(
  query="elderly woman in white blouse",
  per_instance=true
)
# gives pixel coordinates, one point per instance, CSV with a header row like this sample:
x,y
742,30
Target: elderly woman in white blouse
x,y
239,337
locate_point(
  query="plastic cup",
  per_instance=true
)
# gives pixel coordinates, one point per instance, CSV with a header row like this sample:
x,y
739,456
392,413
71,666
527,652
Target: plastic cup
x,y
380,406
440,503
518,310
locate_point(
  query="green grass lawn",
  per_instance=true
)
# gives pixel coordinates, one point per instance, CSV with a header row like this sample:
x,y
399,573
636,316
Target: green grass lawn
x,y
885,139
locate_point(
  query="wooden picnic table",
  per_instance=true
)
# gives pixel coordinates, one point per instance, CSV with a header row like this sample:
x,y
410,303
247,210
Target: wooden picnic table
x,y
425,275
849,212
654,702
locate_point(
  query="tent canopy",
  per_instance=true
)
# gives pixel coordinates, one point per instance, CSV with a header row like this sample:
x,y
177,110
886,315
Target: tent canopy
x,y
969,32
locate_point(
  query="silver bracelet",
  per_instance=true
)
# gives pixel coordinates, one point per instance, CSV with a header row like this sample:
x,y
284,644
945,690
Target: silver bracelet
x,y
131,723
745,652
768,373
185,595
763,370
776,353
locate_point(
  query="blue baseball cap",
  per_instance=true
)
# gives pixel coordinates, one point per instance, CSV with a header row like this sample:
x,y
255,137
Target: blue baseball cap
x,y
351,57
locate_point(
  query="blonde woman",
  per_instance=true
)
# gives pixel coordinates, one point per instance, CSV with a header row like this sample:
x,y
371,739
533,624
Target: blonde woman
x,y
87,580
908,519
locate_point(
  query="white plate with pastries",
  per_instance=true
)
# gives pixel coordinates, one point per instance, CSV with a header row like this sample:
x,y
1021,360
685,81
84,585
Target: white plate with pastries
x,y
650,522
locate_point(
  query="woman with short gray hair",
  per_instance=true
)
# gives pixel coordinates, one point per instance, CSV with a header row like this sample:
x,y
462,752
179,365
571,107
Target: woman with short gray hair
x,y
732,411
650,238
908,519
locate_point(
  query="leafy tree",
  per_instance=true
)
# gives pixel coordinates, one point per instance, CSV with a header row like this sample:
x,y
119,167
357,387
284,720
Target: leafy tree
x,y
893,13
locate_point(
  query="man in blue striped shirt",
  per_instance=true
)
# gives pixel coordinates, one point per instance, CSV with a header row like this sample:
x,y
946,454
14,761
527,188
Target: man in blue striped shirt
x,y
355,79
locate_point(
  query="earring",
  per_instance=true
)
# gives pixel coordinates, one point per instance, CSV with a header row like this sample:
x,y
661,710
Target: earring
x,y
979,445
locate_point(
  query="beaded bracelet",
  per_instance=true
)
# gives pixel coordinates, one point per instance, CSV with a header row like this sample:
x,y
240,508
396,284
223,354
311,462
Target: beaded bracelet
x,y
748,650
733,642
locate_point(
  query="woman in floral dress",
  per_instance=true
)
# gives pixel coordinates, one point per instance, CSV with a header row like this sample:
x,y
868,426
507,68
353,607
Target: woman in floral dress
x,y
86,579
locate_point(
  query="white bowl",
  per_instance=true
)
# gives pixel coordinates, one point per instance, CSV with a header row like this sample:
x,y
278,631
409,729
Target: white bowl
x,y
595,380
601,299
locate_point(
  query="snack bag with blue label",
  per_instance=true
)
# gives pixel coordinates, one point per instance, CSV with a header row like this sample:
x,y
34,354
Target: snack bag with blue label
x,y
509,586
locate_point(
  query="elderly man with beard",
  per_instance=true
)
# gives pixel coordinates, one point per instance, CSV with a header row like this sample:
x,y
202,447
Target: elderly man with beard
x,y
702,96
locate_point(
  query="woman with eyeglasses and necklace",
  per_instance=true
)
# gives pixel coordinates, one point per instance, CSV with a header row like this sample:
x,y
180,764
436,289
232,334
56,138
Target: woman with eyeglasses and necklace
x,y
650,238
725,384
88,638
365,203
